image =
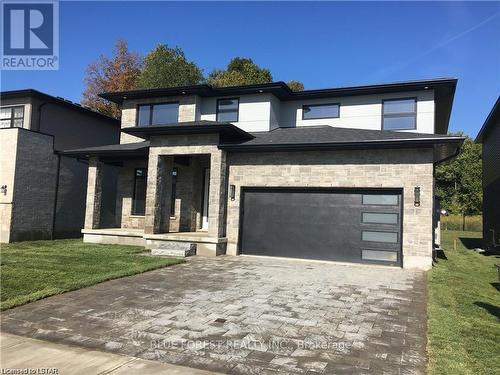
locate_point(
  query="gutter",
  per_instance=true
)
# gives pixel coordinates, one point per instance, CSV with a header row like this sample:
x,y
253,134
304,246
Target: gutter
x,y
399,143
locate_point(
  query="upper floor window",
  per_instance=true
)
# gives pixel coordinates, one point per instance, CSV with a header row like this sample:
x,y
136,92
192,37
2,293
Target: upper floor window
x,y
12,117
227,110
158,114
399,114
319,111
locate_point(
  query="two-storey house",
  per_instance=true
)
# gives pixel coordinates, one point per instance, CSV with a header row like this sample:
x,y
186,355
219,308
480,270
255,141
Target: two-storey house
x,y
343,174
43,194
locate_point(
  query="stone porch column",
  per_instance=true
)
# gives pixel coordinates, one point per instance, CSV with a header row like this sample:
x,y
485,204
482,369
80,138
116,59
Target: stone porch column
x,y
94,194
158,194
218,194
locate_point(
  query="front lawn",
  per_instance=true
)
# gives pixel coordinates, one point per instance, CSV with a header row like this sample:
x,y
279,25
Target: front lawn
x,y
464,312
38,269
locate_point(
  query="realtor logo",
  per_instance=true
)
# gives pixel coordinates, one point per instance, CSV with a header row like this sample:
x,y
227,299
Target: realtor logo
x,y
30,39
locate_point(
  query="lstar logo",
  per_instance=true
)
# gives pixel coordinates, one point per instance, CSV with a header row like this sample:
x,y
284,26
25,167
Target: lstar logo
x,y
30,35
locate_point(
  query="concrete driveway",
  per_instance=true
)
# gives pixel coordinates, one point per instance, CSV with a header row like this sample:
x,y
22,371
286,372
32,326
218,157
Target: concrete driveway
x,y
246,315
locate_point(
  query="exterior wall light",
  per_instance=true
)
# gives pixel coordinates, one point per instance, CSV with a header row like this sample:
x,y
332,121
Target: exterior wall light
x,y
417,196
232,191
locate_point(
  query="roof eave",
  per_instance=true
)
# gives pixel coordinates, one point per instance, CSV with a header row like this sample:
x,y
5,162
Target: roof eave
x,y
492,116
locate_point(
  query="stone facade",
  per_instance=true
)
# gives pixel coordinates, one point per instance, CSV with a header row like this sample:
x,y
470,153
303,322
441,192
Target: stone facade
x,y
161,153
29,169
404,169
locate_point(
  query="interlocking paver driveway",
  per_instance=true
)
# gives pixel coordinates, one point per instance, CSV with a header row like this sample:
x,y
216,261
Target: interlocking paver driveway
x,y
246,315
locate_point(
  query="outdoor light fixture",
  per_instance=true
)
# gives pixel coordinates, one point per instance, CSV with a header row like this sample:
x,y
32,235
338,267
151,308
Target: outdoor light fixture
x,y
232,191
417,196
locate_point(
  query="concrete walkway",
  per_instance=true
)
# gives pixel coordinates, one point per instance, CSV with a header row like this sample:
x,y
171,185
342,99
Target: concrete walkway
x,y
25,353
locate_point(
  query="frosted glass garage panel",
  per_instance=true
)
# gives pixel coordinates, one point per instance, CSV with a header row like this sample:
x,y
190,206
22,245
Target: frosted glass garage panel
x,y
386,256
381,199
372,236
379,218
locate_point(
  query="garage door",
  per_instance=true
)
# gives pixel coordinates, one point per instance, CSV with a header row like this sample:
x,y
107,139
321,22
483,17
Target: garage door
x,y
360,225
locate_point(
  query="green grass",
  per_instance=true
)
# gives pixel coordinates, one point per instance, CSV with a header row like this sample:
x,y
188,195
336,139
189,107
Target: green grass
x,y
38,269
463,326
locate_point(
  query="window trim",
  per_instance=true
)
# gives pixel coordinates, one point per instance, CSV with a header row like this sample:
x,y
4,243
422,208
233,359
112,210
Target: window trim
x,y
217,111
378,223
399,200
320,105
393,231
414,113
12,118
132,210
151,105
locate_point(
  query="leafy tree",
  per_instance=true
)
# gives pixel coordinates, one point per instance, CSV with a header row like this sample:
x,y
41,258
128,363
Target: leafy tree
x,y
240,71
458,182
117,73
168,67
295,85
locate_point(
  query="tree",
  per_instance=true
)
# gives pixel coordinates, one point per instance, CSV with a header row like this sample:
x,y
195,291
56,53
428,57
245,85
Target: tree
x,y
168,67
458,182
295,85
118,73
240,71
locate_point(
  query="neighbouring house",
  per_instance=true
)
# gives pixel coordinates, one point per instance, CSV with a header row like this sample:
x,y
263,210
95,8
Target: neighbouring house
x,y
343,174
42,193
489,136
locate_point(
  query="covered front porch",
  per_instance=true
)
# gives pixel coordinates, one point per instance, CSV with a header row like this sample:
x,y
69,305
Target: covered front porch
x,y
168,202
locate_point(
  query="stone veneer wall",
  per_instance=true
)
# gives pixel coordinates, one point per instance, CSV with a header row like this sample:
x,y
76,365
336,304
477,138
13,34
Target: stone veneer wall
x,y
349,169
187,112
194,145
32,169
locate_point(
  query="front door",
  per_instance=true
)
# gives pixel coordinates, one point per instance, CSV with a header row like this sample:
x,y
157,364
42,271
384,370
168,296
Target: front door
x,y
206,191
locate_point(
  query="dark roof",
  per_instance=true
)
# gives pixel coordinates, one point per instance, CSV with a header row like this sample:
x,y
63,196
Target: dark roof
x,y
328,135
28,93
124,149
289,139
444,91
227,131
331,138
490,121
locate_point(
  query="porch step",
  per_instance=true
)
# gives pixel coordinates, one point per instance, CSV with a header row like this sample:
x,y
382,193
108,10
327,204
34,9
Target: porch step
x,y
175,249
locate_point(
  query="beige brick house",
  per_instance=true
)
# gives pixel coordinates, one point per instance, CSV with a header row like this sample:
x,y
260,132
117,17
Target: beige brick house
x,y
341,174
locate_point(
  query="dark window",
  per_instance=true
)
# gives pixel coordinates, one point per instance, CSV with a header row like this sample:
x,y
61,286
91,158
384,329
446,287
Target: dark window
x,y
158,114
12,117
399,114
381,199
174,187
318,111
227,110
139,197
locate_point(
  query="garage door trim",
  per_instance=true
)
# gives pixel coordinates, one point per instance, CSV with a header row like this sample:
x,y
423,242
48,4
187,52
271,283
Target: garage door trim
x,y
305,189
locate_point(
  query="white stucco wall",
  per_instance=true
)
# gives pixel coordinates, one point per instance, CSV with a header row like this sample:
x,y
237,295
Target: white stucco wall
x,y
264,112
360,112
254,112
